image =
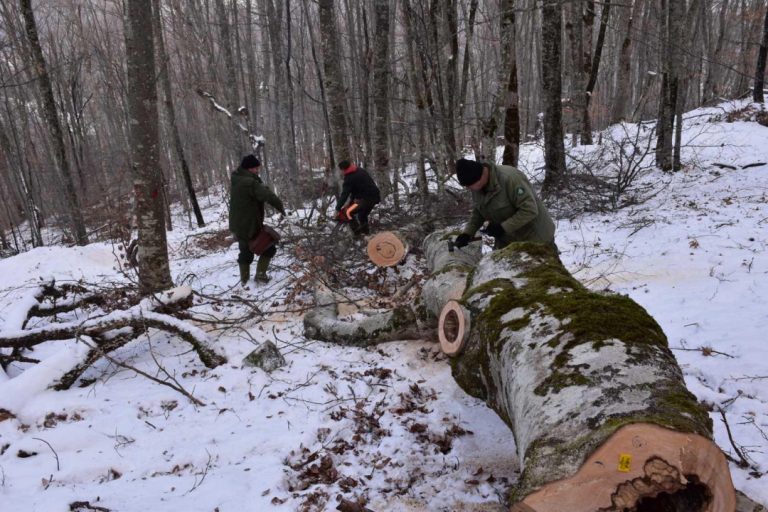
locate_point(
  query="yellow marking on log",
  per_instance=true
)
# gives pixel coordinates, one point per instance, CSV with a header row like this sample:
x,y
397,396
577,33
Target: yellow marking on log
x,y
625,460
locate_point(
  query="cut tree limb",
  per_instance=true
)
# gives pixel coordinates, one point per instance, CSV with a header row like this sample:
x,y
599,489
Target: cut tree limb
x,y
587,383
323,323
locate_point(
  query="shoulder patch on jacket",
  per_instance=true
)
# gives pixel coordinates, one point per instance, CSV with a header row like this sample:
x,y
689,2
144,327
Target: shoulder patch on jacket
x,y
520,191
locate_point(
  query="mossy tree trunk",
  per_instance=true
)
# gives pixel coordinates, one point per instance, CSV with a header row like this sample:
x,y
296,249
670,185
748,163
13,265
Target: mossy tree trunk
x,y
587,383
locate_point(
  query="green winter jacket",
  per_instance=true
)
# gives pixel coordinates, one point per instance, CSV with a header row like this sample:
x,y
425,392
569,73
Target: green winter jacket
x,y
508,199
246,207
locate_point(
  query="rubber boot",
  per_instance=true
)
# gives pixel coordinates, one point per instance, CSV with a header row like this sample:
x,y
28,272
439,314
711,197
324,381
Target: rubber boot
x,y
245,273
261,269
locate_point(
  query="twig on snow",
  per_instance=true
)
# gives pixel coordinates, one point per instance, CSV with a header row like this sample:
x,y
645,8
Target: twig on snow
x,y
58,466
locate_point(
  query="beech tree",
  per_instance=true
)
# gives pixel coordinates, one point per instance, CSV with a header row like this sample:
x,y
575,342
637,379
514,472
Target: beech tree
x,y
154,269
551,65
760,68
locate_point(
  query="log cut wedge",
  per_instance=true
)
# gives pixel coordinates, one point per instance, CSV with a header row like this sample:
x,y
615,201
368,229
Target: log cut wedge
x,y
587,383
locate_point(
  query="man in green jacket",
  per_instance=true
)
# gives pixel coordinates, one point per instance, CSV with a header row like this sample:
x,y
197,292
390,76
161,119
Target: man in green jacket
x,y
503,196
246,216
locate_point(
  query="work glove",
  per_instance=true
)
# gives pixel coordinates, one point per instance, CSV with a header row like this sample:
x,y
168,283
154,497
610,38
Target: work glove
x,y
495,230
462,240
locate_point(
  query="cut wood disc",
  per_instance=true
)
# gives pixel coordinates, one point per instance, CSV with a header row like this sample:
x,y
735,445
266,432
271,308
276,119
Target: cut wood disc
x,y
453,328
386,249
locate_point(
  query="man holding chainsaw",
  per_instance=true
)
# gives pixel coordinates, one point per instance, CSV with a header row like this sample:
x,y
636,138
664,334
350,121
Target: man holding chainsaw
x,y
362,193
504,197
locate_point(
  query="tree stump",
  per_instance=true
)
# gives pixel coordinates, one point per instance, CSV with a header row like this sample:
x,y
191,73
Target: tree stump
x,y
586,381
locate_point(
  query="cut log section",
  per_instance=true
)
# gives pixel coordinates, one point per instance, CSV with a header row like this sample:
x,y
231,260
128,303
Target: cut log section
x,y
449,270
587,383
387,249
323,323
453,328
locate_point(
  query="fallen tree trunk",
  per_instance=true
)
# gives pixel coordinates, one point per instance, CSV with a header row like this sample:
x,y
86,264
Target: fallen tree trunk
x,y
597,403
323,323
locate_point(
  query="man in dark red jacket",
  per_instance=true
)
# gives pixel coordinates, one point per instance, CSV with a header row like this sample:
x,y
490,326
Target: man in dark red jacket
x,y
362,193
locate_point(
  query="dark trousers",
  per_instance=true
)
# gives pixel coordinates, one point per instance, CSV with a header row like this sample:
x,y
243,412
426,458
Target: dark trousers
x,y
246,256
359,223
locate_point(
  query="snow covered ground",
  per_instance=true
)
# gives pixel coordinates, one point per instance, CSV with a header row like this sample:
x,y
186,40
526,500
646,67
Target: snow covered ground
x,y
388,423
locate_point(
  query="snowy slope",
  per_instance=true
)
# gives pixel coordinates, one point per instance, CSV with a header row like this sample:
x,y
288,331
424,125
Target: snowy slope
x,y
388,424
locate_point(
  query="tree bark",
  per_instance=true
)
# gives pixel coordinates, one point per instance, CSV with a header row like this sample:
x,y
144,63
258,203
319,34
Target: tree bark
x,y
165,77
154,269
512,100
554,147
588,384
623,71
758,95
51,115
381,75
334,84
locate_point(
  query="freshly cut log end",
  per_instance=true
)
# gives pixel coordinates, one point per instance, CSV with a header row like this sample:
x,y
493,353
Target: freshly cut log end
x,y
386,249
453,328
643,468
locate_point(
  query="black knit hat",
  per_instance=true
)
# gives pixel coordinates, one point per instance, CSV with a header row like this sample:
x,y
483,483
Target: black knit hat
x,y
250,162
468,171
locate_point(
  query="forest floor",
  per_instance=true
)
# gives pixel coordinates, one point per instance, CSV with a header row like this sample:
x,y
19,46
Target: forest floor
x,y
386,426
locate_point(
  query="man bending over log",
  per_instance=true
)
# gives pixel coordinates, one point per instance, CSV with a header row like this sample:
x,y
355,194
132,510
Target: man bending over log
x,y
504,197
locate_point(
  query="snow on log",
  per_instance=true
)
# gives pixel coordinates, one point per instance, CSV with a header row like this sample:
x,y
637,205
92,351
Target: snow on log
x,y
323,323
449,270
112,328
596,401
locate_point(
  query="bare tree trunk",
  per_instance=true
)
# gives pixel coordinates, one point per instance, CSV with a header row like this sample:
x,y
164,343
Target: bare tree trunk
x,y
554,147
292,165
757,94
467,57
586,123
381,75
230,84
154,269
501,96
420,97
165,77
512,99
54,126
671,13
623,71
20,182
712,84
334,84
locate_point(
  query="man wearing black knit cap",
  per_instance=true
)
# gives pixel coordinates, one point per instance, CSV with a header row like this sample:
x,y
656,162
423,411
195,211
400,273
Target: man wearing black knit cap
x,y
246,216
504,197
